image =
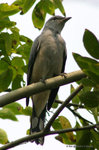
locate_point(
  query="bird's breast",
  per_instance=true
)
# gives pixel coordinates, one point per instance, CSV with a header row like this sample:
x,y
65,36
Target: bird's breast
x,y
49,59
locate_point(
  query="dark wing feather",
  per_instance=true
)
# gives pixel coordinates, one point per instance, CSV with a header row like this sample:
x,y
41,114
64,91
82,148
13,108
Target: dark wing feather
x,y
33,53
54,91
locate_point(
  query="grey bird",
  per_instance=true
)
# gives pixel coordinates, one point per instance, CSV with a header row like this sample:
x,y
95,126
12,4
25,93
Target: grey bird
x,y
47,59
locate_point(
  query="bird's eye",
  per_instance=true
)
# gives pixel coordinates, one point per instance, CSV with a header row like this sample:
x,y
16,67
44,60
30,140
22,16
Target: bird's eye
x,y
54,18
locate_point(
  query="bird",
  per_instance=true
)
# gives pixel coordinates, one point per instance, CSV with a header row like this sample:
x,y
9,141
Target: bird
x,y
47,59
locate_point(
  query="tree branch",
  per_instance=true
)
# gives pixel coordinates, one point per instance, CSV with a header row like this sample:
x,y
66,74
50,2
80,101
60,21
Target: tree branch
x,y
80,117
75,105
75,113
70,104
64,104
39,87
43,133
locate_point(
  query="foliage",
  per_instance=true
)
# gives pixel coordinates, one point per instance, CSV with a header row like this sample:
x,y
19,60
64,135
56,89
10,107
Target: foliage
x,y
63,123
3,137
87,99
14,55
89,96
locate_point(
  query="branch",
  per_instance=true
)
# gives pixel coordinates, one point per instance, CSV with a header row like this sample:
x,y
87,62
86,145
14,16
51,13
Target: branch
x,y
80,117
72,129
70,104
43,133
64,104
75,105
39,87
73,111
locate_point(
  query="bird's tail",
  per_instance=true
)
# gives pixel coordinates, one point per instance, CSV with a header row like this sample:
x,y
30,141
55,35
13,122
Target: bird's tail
x,y
37,125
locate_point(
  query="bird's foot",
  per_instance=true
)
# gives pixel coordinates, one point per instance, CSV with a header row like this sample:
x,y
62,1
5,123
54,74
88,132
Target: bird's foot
x,y
43,81
64,75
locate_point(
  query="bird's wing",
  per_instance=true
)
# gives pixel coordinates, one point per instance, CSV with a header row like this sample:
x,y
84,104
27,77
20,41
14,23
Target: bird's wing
x,y
33,54
54,91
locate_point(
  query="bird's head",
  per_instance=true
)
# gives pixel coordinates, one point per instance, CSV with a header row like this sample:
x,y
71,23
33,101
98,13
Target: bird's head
x,y
56,23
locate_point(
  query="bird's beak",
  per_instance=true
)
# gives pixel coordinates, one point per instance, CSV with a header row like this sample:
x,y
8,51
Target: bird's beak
x,y
66,19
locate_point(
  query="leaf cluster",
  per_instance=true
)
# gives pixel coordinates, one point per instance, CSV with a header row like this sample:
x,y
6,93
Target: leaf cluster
x,y
15,48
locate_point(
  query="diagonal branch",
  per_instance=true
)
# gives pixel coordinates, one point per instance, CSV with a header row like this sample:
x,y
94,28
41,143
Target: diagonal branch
x,y
39,87
43,133
73,111
64,104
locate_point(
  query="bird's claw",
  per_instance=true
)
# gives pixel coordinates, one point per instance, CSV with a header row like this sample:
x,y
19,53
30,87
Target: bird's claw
x,y
43,81
64,75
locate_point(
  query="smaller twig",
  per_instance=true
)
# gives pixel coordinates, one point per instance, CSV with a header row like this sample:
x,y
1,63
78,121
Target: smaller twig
x,y
59,101
65,103
70,104
80,117
73,129
75,105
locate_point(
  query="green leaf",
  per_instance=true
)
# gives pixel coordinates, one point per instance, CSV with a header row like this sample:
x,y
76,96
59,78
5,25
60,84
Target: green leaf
x,y
38,15
91,44
18,3
66,124
7,114
95,139
58,4
5,79
56,124
17,82
3,66
40,11
2,46
63,123
48,7
55,105
17,63
7,41
6,23
8,10
15,30
90,99
3,137
83,139
24,50
95,113
88,82
15,37
89,66
27,5
25,68
76,98
25,39
84,62
27,111
15,107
